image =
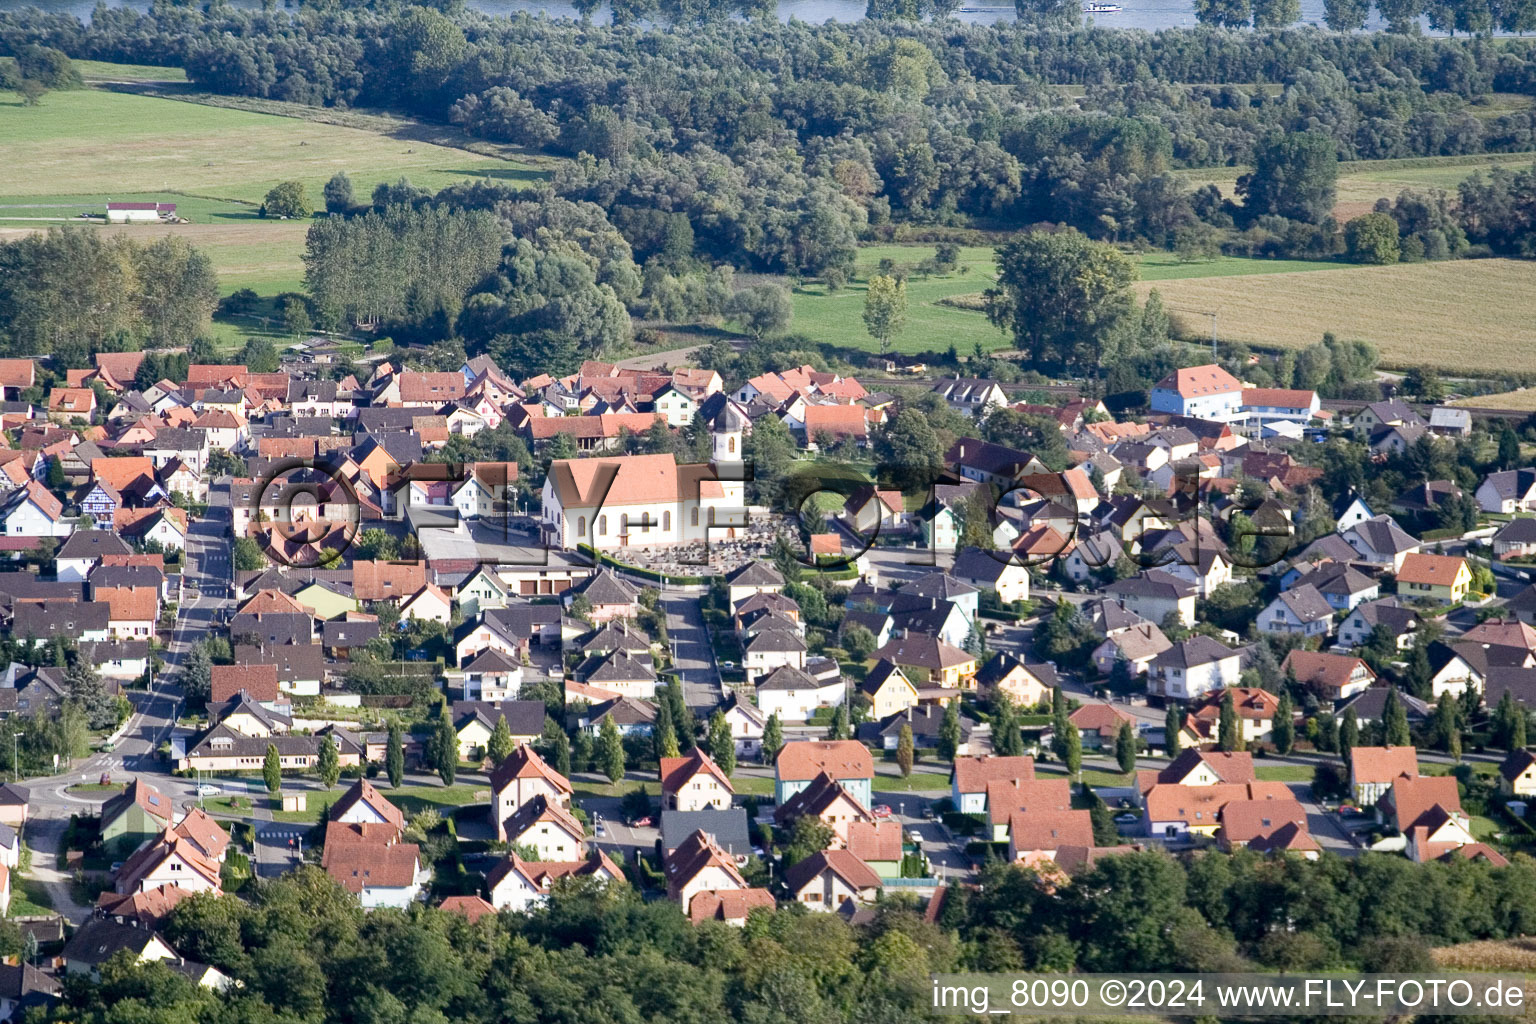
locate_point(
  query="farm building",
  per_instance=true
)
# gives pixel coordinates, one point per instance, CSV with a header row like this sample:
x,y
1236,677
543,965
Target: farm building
x,y
136,213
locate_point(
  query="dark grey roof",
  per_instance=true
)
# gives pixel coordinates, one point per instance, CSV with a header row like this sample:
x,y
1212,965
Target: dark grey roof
x,y
1511,483
342,633
58,618
490,660
1337,578
617,665
1370,704
125,576
174,439
1329,545
775,640
1383,535
1152,583
1306,603
615,636
989,458
1197,650
755,574
727,827
875,622
93,544
100,938
1003,662
272,628
1517,531
524,717
1387,612
787,677
295,662
603,587
983,566
625,711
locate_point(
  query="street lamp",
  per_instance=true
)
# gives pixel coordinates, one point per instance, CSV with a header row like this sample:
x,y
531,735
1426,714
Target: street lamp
x,y
15,756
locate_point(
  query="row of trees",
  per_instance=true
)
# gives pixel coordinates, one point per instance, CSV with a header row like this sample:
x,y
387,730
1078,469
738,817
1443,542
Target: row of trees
x,y
70,290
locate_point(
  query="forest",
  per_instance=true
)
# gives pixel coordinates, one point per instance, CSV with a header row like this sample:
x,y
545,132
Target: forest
x,y
303,951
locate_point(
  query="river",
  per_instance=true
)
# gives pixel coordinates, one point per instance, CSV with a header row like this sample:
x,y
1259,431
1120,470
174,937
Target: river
x,y
1143,14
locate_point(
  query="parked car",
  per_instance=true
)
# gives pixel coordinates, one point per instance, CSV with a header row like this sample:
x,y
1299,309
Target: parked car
x,y
641,822
208,789
1126,819
727,664
881,810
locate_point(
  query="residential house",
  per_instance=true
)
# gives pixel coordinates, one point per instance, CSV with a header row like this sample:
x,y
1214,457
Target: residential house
x,y
971,396
969,778
608,596
694,782
1193,667
844,761
1300,611
747,723
1401,623
1517,775
1255,708
1334,676
169,859
930,662
1381,542
988,463
996,571
1342,586
827,800
1137,646
1441,578
771,650
638,500
1154,595
1516,538
32,511
1099,724
1508,491
830,879
888,689
794,695
1204,392
547,827
475,721
1426,810
518,780
139,813
521,885
1373,770
1027,681
1036,836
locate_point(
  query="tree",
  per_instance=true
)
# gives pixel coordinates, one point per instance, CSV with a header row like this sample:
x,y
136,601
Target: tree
x,y
1125,748
859,642
1223,13
909,449
1447,728
1349,732
885,309
1059,701
394,756
85,688
339,197
1394,717
722,745
444,752
1509,449
197,676
1346,15
500,746
1063,297
949,731
259,355
1284,731
1372,238
838,729
610,750
904,750
773,737
1173,725
287,199
1072,750
761,310
1517,729
1294,175
1007,740
272,770
1275,13
328,764
664,733
246,555
1230,731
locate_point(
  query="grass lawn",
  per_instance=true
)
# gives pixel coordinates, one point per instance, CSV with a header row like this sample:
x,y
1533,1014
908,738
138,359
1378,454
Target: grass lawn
x,y
1092,776
1362,182
1462,315
587,788
29,898
835,317
917,782
94,141
106,71
94,787
1283,773
1483,828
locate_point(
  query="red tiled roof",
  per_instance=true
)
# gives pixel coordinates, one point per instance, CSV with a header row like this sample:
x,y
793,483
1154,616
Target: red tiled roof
x,y
974,773
1382,764
840,759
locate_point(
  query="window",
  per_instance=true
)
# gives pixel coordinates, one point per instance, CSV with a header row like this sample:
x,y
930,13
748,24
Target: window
x,y
624,523
581,525
602,525
730,445
711,517
666,520
693,518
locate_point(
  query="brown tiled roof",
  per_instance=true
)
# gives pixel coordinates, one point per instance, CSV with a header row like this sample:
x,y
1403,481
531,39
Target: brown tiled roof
x,y
692,856
157,851
1434,570
728,904
202,375
525,763
204,833
840,759
1048,830
541,808
472,907
120,473
1169,802
149,908
1382,764
258,681
1243,821
123,366
1412,798
845,865
1032,796
875,840
75,400
1104,719
365,864
130,604
363,791
1248,701
44,500
676,771
974,773
838,420
380,581
1330,670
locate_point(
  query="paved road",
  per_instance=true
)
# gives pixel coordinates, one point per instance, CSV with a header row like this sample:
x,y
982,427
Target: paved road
x,y
693,656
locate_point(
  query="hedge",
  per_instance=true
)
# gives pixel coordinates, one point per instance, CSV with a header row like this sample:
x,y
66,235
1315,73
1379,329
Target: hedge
x,y
650,574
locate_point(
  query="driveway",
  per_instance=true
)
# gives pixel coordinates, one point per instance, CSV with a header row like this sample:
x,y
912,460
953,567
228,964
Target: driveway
x,y
692,656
